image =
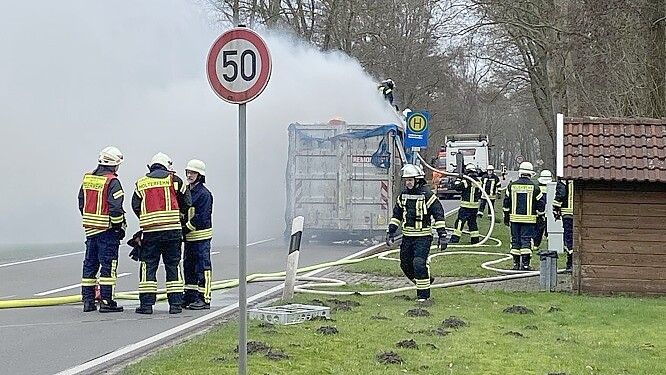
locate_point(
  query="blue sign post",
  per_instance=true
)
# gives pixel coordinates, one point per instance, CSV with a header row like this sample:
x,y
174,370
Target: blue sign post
x,y
416,134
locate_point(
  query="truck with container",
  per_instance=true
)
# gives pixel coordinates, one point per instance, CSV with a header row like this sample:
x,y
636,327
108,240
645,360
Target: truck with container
x,y
342,179
458,151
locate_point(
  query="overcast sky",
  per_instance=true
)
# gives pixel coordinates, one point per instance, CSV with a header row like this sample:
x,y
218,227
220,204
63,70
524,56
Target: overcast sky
x,y
76,76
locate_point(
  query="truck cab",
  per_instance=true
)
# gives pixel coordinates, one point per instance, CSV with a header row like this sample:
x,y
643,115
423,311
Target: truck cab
x,y
458,151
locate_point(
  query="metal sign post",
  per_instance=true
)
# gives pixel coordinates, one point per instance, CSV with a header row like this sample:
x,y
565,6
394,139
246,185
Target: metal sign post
x,y
239,68
242,239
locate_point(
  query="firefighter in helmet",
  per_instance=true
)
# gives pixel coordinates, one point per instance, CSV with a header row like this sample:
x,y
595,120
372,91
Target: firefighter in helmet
x,y
386,88
490,183
563,206
417,212
523,204
198,232
101,205
161,202
470,195
541,230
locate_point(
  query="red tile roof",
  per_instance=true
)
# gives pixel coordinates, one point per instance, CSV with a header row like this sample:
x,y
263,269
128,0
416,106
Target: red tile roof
x,y
615,149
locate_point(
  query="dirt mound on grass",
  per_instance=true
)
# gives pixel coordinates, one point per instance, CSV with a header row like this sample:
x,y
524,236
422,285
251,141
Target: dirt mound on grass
x,y
417,313
379,317
339,305
454,322
327,330
407,344
389,358
517,310
255,347
276,355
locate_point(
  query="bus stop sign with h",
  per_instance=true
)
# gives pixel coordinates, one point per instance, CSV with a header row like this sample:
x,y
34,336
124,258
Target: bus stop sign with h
x,y
416,133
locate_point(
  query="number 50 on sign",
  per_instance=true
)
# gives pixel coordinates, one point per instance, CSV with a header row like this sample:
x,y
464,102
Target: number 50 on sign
x,y
239,65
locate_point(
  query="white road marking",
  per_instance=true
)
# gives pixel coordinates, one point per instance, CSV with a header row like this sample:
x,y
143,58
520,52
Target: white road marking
x,y
71,287
7,297
212,315
260,242
250,244
83,252
40,259
28,325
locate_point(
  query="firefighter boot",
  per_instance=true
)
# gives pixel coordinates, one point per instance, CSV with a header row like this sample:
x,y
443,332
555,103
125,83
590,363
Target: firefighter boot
x,y
569,263
109,307
176,309
526,262
144,309
474,240
89,306
516,262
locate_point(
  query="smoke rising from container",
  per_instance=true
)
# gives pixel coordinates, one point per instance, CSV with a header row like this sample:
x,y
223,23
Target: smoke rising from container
x,y
77,76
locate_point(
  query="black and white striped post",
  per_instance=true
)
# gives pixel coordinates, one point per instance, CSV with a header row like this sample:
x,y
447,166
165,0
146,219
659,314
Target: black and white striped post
x,y
292,258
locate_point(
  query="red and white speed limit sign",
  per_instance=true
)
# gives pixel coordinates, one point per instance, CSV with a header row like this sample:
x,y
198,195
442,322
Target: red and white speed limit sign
x,y
239,65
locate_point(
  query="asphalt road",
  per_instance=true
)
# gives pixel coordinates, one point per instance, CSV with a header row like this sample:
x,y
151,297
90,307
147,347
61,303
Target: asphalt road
x,y
47,340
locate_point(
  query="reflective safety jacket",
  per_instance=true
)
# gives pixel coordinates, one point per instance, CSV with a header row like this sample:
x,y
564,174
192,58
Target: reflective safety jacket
x,y
523,201
418,212
199,225
491,183
161,201
470,194
101,201
564,197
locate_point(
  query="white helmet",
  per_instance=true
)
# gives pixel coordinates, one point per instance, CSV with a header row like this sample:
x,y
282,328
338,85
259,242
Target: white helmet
x,y
411,170
526,168
196,165
470,167
545,177
490,167
110,156
162,159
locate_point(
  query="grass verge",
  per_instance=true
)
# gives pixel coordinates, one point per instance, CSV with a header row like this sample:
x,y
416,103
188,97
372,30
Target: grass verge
x,y
559,333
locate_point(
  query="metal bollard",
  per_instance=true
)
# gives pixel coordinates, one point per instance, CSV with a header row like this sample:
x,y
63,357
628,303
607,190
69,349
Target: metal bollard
x,y
548,270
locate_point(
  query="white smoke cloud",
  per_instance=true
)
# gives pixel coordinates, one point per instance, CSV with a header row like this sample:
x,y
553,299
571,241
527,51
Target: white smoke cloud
x,y
78,75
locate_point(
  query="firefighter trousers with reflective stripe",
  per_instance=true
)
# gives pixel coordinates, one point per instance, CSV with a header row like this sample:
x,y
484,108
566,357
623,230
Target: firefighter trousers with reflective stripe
x,y
197,269
522,235
539,233
466,216
101,255
151,251
567,225
484,203
413,261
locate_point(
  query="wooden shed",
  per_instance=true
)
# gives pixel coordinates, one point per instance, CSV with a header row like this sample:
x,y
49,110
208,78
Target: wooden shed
x,y
619,169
